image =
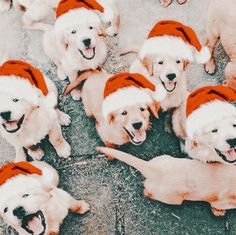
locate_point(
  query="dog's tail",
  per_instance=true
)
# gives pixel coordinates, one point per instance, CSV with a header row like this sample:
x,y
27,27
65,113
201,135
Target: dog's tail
x,y
131,49
129,159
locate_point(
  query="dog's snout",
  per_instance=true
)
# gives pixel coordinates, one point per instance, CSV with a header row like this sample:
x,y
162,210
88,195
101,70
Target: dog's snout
x,y
171,76
6,115
231,142
19,212
137,125
87,42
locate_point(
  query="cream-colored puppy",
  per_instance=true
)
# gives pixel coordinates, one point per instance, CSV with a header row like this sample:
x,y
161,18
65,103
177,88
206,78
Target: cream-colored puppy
x,y
122,121
166,3
28,111
35,11
76,43
211,124
173,180
220,26
31,201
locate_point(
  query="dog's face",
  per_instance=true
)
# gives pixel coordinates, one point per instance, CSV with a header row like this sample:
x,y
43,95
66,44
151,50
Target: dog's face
x,y
26,212
165,70
83,39
13,113
220,138
133,121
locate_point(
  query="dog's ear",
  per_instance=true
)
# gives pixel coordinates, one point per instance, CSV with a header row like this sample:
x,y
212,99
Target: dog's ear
x,y
111,118
154,109
147,63
62,42
185,64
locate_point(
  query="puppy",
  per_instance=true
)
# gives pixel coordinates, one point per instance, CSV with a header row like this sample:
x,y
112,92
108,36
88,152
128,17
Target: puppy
x,y
166,3
173,180
211,124
219,27
28,110
76,43
164,58
31,201
35,11
121,113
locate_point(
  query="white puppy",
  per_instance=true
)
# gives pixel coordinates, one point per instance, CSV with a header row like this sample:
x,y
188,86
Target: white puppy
x,y
220,26
75,44
28,110
174,180
122,115
211,124
166,3
31,201
35,11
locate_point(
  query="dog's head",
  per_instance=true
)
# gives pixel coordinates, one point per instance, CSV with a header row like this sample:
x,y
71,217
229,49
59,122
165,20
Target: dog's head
x,y
165,70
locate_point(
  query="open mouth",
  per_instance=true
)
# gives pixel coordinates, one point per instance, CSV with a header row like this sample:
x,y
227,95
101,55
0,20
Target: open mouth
x,y
169,86
136,137
34,223
13,126
88,50
228,156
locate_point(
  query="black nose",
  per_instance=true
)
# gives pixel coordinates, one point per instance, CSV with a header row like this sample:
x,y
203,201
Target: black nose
x,y
87,42
19,212
171,76
231,142
137,125
6,115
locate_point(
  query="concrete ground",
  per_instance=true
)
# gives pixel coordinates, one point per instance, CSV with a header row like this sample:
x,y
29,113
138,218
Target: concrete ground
x,y
114,189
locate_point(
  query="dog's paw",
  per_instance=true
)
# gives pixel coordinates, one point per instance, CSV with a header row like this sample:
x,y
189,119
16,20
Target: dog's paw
x,y
64,118
181,1
82,207
36,154
218,212
76,95
147,194
165,3
5,5
64,150
210,67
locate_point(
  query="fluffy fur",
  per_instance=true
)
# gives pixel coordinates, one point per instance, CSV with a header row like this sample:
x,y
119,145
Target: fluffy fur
x,y
31,120
220,26
119,127
166,3
170,180
35,11
37,194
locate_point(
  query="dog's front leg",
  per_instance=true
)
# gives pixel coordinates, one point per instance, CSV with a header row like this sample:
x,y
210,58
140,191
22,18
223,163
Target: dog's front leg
x,y
20,154
56,138
78,206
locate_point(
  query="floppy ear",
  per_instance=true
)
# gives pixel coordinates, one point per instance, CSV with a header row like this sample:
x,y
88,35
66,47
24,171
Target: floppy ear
x,y
62,42
111,118
185,64
154,109
147,62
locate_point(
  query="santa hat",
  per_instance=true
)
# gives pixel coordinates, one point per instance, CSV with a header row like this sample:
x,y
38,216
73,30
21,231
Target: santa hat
x,y
207,105
71,13
21,80
172,38
126,89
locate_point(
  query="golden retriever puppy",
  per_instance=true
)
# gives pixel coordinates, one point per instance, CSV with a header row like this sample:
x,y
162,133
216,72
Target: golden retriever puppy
x,y
220,26
166,3
170,180
121,106
31,201
211,124
35,11
28,111
76,43
164,57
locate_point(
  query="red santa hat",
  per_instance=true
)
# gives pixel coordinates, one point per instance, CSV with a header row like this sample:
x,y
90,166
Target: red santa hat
x,y
128,89
71,13
21,80
209,104
169,37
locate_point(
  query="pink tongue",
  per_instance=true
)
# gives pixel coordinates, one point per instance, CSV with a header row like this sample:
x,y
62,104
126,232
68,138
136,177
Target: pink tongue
x,y
139,136
231,153
35,225
11,124
170,85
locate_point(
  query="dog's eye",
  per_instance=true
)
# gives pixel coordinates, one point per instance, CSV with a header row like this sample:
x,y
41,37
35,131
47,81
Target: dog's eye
x,y
25,195
15,100
5,210
90,27
178,61
161,62
234,125
142,109
73,32
214,131
124,113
